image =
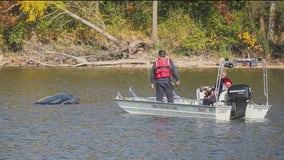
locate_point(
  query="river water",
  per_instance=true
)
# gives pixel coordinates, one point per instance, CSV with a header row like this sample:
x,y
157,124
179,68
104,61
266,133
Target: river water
x,y
98,129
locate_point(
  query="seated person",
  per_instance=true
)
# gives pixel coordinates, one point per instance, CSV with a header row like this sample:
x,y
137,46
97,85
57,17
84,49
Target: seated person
x,y
210,96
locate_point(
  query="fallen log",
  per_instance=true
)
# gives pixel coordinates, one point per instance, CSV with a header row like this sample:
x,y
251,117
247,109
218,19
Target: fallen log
x,y
117,62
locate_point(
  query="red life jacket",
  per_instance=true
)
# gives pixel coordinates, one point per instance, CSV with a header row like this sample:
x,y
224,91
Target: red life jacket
x,y
163,68
227,83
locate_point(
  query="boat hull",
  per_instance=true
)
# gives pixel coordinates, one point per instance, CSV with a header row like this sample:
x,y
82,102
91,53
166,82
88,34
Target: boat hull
x,y
256,111
174,109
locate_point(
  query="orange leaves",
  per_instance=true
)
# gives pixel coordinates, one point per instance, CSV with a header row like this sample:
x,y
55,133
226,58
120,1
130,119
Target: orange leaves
x,y
225,11
250,42
7,20
129,7
6,17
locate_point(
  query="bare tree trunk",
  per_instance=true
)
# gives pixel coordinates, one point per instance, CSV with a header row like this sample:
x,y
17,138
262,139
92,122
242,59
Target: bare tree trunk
x,y
271,22
97,7
155,23
262,24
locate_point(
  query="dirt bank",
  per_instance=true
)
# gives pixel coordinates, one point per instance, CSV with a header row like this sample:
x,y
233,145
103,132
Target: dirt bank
x,y
135,61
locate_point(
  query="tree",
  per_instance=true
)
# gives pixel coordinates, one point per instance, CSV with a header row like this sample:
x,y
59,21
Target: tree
x,y
11,26
224,10
97,7
279,21
258,13
270,33
128,27
36,9
6,17
103,32
155,19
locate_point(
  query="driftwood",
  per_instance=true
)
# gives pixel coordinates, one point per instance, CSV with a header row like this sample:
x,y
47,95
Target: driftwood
x,y
129,49
44,50
39,55
134,47
117,62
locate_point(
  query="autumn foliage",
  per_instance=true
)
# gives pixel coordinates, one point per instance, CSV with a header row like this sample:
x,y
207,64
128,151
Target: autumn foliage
x,y
249,43
225,11
34,8
184,27
6,16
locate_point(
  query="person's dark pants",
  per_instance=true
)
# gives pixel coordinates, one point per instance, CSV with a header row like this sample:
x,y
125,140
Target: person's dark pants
x,y
209,101
162,88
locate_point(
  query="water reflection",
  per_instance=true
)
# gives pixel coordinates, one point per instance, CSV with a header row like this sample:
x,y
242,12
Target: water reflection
x,y
162,130
164,135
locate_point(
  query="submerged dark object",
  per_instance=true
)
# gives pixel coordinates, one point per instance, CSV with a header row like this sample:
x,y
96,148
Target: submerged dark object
x,y
62,98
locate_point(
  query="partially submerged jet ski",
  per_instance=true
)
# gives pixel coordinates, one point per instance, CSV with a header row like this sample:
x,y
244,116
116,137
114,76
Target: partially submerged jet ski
x,y
62,98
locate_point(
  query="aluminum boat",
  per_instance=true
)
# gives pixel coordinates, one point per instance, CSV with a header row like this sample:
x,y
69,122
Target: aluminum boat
x,y
234,103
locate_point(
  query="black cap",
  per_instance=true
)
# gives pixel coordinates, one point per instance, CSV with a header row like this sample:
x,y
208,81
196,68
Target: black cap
x,y
162,53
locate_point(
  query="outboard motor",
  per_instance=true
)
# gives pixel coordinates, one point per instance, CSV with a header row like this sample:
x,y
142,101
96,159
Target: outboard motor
x,y
238,96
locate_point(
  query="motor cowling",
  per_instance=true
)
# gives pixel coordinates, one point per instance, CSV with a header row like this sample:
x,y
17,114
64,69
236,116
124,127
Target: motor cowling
x,y
239,92
238,96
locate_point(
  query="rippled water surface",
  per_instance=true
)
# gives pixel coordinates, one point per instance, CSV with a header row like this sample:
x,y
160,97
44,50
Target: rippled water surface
x,y
98,129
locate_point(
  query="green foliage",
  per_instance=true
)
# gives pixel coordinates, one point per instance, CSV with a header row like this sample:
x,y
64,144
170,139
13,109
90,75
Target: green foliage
x,y
118,25
2,46
13,36
221,35
182,34
225,53
196,40
172,34
263,42
165,8
183,26
128,19
201,11
138,15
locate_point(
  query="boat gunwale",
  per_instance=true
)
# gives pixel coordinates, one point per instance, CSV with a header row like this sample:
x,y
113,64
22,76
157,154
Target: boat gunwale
x,y
176,104
201,113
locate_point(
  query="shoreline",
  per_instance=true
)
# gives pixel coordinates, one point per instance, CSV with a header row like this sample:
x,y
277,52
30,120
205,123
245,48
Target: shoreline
x,y
180,62
178,65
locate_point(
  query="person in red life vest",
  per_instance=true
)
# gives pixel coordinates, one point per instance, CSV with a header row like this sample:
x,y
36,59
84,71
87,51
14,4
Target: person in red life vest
x,y
226,83
162,74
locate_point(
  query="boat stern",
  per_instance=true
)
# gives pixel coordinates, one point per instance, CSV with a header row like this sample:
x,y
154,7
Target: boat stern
x,y
223,112
256,111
